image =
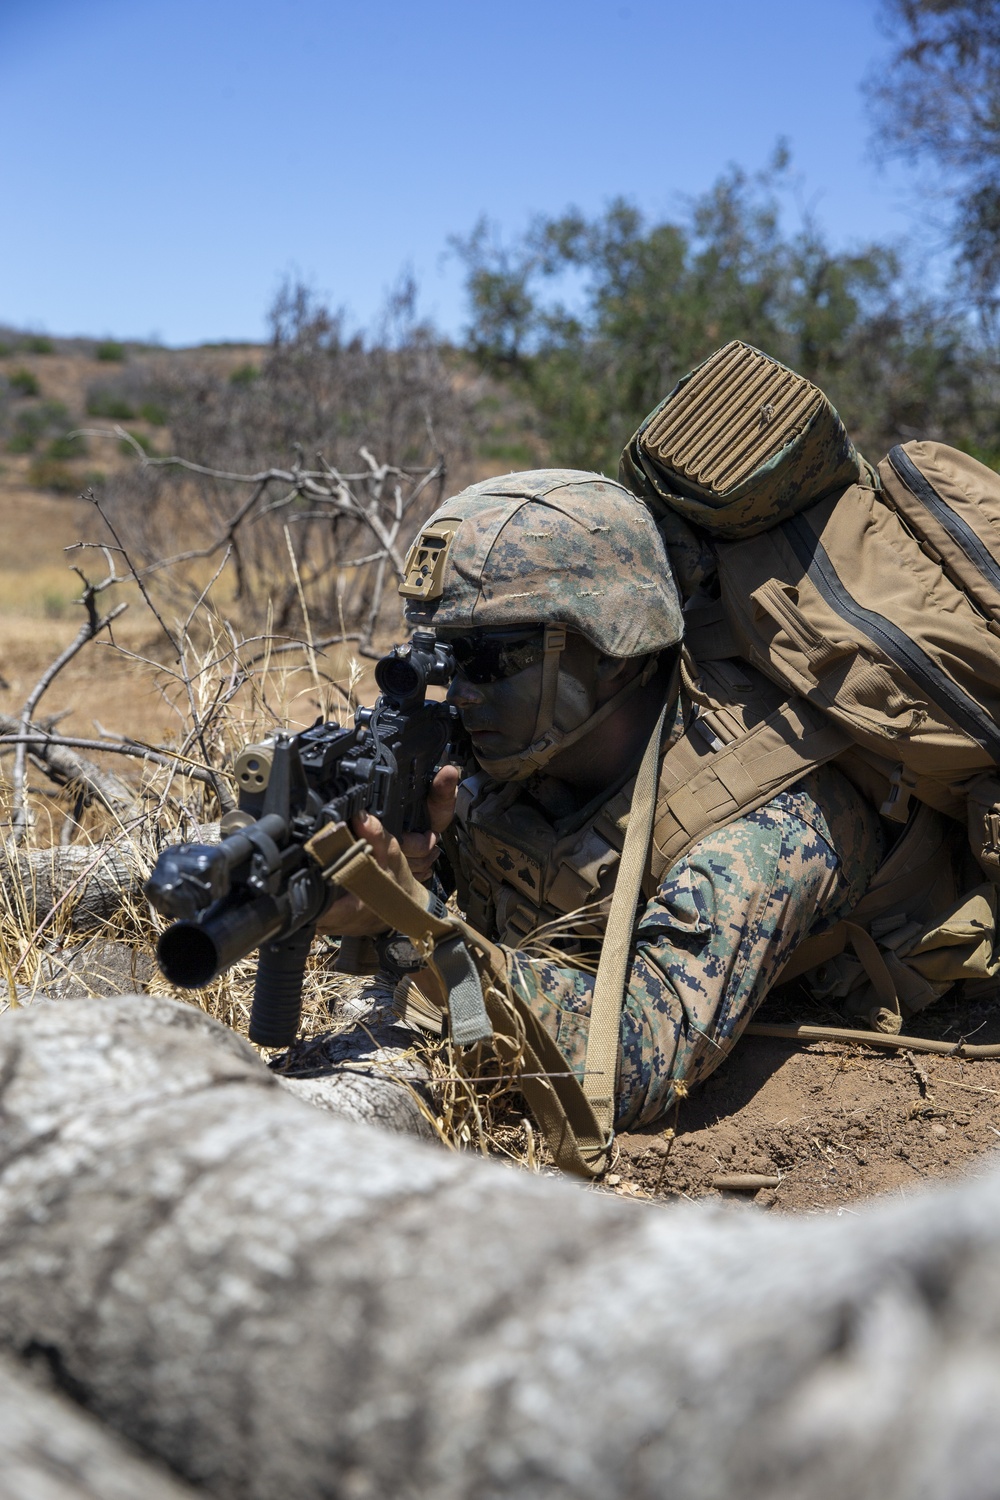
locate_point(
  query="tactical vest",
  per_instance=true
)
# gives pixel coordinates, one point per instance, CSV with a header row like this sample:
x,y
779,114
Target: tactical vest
x,y
737,741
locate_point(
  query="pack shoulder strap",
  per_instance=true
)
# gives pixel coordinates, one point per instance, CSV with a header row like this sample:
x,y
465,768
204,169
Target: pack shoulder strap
x,y
702,791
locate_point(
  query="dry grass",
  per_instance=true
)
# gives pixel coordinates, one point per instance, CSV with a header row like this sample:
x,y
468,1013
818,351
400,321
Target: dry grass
x,y
226,691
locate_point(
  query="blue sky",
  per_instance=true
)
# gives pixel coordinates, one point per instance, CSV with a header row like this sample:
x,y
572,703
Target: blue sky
x,y
167,162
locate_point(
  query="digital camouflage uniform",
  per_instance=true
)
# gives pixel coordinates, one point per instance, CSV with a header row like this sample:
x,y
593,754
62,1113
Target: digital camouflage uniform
x,y
715,937
719,921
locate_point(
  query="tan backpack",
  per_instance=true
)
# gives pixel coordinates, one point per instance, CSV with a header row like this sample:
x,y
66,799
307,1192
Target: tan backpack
x,y
875,596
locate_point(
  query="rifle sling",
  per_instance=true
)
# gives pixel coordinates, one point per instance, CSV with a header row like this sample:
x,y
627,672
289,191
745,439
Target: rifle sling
x,y
576,1121
560,1107
436,939
604,1032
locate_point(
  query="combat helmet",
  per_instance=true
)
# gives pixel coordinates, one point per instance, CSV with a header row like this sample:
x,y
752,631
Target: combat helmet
x,y
560,548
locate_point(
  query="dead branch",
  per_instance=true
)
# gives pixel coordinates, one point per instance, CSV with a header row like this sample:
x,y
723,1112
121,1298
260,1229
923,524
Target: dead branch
x,y
325,485
180,763
92,626
376,501
54,755
179,644
88,494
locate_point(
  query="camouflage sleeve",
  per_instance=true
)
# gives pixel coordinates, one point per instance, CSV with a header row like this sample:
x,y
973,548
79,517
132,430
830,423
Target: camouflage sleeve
x,y
716,936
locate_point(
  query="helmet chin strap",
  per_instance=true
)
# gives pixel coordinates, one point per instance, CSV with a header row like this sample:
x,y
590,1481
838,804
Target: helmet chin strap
x,y
547,741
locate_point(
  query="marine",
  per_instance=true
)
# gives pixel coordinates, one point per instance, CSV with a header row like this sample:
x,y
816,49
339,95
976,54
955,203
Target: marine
x,y
555,593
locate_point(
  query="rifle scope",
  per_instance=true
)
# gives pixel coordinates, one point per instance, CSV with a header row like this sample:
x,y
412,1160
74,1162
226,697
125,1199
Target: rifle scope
x,y
406,673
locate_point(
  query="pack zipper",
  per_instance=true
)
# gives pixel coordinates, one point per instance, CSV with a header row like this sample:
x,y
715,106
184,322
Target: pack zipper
x,y
960,531
896,644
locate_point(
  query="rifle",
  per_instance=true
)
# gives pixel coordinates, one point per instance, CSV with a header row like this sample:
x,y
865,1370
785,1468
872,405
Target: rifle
x,y
260,887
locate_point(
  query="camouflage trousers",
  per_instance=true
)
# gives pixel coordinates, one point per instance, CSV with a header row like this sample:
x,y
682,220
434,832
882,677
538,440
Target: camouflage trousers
x,y
715,937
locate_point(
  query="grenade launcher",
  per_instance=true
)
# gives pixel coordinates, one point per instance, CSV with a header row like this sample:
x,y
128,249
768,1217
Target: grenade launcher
x,y
260,887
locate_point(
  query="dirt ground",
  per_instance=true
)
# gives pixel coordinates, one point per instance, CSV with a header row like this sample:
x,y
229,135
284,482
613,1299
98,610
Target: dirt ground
x,y
832,1122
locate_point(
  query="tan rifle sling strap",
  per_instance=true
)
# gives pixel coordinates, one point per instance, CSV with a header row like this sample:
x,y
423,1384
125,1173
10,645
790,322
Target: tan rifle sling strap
x,y
480,1012
603,1035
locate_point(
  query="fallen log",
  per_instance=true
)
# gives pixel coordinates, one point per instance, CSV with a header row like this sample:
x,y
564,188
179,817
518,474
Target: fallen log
x,y
279,1303
50,1450
91,884
67,767
368,1073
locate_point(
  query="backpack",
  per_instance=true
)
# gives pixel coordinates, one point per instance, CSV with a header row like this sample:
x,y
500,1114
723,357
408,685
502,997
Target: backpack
x,y
873,594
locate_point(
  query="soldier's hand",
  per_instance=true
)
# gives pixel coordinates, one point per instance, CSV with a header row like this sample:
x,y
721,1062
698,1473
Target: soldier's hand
x,y
348,916
422,849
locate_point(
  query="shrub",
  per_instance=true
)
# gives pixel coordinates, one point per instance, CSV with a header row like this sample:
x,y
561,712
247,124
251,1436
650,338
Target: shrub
x,y
154,414
50,474
66,446
28,429
38,344
34,422
110,351
244,375
102,402
24,383
6,349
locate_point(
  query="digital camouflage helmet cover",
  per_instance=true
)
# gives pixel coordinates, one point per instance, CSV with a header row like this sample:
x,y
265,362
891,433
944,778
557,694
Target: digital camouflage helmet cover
x,y
558,548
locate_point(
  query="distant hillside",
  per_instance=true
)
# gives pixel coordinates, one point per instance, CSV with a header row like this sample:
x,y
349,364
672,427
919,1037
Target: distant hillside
x,y
233,403
50,388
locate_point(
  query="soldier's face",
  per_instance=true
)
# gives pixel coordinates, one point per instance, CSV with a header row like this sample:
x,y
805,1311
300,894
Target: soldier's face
x,y
500,716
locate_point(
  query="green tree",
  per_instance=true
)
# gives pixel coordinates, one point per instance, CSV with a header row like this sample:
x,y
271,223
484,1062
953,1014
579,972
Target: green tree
x,y
938,100
597,319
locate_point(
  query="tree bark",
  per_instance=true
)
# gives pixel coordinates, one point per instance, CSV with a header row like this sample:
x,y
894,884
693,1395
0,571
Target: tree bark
x,y
281,1304
49,1450
96,881
368,1074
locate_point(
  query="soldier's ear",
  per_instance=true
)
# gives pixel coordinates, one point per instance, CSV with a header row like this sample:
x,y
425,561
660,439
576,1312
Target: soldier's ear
x,y
616,670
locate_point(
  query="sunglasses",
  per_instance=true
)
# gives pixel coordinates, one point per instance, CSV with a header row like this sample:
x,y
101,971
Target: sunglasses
x,y
491,656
